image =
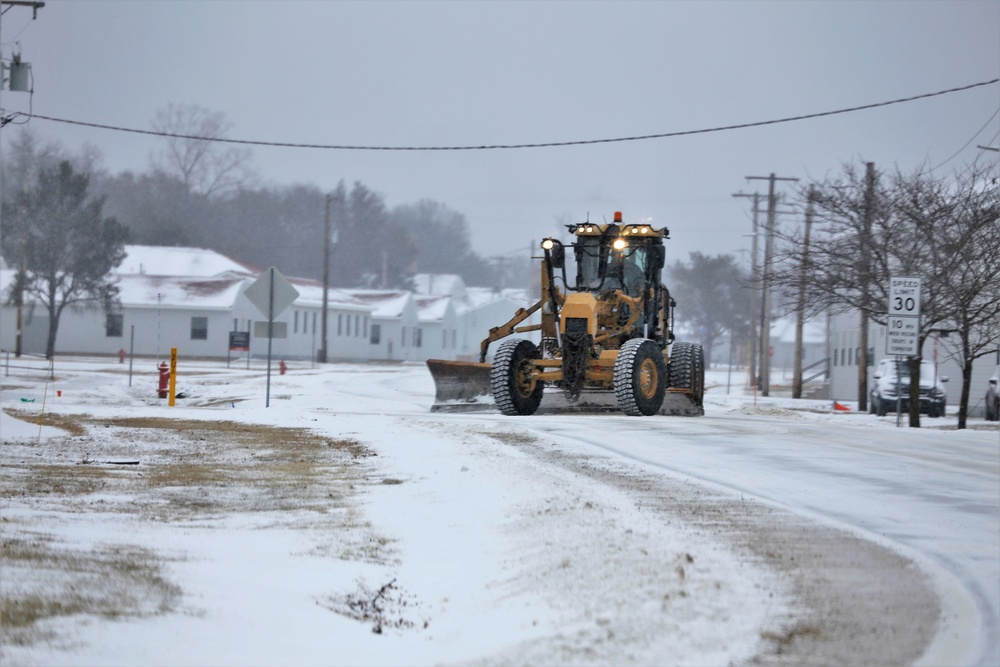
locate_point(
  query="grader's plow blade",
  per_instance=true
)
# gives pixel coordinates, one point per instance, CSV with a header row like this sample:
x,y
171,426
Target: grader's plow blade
x,y
460,385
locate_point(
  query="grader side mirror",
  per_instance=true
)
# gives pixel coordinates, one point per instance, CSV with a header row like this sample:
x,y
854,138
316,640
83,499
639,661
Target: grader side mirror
x,y
659,258
556,251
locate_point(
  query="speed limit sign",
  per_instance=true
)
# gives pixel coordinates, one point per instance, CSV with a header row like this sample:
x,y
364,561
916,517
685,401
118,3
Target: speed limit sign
x,y
904,296
903,324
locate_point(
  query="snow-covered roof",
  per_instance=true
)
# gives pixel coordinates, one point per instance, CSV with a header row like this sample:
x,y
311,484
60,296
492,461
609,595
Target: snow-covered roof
x,y
179,261
384,303
178,292
441,284
431,308
481,296
311,294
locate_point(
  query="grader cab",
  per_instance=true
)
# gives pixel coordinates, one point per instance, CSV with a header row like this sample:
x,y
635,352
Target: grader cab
x,y
605,337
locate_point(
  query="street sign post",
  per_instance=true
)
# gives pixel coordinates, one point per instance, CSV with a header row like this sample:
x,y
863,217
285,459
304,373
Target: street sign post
x,y
902,337
272,294
238,341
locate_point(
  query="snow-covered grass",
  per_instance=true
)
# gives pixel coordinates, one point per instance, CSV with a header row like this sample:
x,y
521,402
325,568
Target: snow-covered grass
x,y
346,524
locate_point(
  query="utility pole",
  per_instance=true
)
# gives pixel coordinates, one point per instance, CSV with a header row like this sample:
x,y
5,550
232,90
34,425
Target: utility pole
x,y
866,221
754,277
765,311
800,314
326,277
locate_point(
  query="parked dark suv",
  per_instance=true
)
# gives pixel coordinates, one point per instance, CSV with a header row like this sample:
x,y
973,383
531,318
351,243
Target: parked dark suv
x,y
884,387
993,398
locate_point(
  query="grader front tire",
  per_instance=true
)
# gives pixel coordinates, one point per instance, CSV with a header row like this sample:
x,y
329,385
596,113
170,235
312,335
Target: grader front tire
x,y
514,390
640,377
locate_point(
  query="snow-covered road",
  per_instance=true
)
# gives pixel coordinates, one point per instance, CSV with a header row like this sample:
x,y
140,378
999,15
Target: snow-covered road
x,y
931,493
580,539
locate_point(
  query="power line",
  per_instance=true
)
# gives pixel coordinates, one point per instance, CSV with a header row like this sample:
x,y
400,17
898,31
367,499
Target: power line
x,y
966,144
548,144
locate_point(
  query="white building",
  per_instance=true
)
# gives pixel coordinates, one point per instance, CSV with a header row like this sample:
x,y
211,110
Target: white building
x,y
192,298
394,320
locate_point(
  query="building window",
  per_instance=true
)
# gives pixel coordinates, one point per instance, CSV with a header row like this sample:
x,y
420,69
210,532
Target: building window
x,y
417,335
340,324
357,325
376,334
114,323
365,333
199,328
295,326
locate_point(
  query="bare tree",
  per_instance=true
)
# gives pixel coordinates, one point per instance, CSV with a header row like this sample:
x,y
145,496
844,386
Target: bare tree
x,y
194,155
69,247
959,216
872,228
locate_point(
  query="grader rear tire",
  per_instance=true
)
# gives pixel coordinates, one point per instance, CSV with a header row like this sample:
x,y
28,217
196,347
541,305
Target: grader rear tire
x,y
514,390
640,377
687,370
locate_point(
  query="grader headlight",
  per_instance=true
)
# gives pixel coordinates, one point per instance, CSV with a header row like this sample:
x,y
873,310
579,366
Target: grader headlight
x,y
619,244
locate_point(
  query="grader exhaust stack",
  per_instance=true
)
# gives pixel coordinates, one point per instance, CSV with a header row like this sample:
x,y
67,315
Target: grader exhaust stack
x,y
606,337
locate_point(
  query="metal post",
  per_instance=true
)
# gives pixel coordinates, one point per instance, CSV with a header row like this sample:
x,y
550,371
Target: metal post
x,y
899,394
270,336
326,276
131,354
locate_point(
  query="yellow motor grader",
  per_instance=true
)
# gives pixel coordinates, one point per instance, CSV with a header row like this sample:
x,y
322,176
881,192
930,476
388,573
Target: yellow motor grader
x,y
606,338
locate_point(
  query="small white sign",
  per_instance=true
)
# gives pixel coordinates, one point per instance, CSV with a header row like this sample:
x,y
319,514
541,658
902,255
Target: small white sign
x,y
902,345
904,326
270,329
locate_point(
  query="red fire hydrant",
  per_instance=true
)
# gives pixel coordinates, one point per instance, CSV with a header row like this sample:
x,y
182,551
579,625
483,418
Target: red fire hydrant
x,y
164,379
282,367
121,356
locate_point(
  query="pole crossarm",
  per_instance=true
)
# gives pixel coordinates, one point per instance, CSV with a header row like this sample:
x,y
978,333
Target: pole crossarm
x,y
35,6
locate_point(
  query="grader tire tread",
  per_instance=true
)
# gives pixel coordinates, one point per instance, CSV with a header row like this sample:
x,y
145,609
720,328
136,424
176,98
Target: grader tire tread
x,y
687,370
504,385
640,378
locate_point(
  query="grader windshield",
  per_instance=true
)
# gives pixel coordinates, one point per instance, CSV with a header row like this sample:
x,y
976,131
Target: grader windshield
x,y
602,265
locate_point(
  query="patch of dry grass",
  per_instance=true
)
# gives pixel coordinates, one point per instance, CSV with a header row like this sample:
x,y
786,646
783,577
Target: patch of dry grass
x,y
187,470
68,423
110,581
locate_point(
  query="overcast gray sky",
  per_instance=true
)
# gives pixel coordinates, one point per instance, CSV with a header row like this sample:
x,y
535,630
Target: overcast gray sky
x,y
473,73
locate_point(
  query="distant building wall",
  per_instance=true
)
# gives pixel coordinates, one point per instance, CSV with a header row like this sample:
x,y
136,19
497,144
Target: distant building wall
x,y
844,343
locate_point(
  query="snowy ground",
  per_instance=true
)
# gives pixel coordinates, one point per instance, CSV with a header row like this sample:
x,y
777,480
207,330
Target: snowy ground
x,y
345,524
